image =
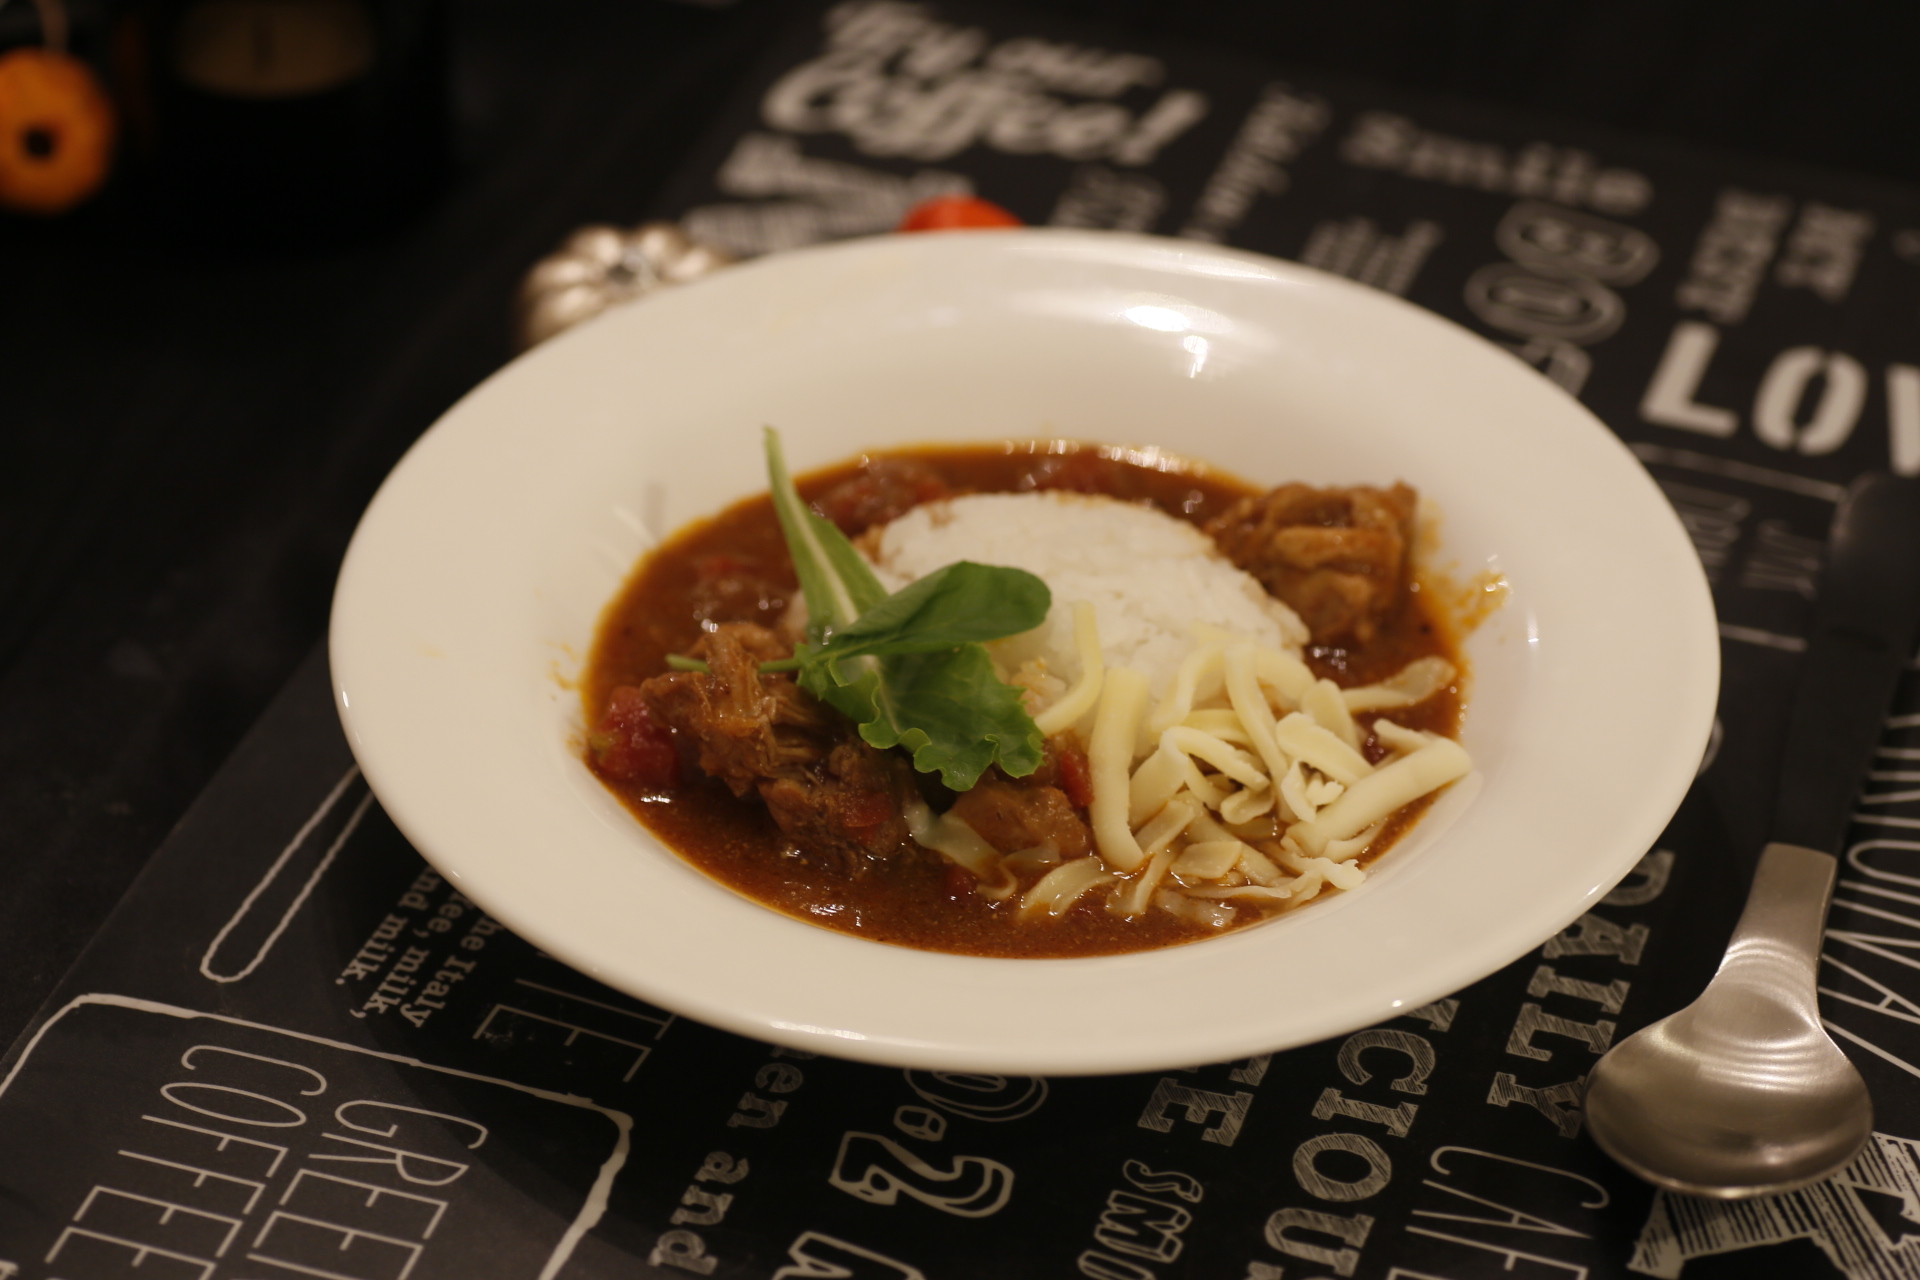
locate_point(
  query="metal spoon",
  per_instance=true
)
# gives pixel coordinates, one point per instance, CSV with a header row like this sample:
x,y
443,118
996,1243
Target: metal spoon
x,y
1742,1093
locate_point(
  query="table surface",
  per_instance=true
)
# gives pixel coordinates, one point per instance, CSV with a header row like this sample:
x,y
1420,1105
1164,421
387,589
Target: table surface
x,y
193,433
195,430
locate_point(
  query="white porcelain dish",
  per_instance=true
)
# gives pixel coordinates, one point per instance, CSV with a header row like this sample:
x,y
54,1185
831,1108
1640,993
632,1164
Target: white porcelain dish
x,y
473,586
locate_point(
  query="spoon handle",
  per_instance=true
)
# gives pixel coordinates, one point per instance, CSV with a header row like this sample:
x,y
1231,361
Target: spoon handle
x,y
1864,628
1775,949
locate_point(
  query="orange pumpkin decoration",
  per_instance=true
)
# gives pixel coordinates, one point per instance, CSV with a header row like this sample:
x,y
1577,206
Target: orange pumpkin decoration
x,y
56,131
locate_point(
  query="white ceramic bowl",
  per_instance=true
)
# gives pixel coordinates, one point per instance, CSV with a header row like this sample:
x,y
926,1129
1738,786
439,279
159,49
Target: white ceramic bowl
x,y
473,586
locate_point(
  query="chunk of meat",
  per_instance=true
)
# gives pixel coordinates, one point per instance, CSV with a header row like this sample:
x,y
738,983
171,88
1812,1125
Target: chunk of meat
x,y
828,791
1337,557
885,490
1014,814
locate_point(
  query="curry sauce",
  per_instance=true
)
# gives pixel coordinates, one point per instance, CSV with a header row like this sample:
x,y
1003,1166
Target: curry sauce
x,y
734,567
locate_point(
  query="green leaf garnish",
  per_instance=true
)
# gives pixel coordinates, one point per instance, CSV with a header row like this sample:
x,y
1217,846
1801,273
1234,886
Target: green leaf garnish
x,y
838,584
964,603
947,708
908,667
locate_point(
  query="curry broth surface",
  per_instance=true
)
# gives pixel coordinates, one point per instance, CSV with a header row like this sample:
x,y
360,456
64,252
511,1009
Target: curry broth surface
x,y
918,900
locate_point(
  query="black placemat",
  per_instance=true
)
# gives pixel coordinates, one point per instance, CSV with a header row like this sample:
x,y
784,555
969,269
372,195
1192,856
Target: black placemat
x,y
296,1051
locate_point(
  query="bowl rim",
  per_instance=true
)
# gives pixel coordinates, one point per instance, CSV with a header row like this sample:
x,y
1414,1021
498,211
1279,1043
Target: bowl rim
x,y
367,581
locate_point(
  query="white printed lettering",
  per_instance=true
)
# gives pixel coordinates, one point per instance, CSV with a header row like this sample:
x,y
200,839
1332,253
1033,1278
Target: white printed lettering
x,y
1903,418
756,1112
1284,1226
172,1093
425,1171
1593,935
1533,1020
778,1077
1559,1103
1197,1106
320,1194
1842,394
701,1208
1317,1182
1184,1185
1546,982
686,1250
817,1256
1656,868
300,1243
1396,1119
1142,1227
1415,1047
721,1167
879,1170
1669,401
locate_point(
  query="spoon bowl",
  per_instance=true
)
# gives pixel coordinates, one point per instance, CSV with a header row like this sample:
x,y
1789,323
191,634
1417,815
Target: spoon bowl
x,y
1741,1093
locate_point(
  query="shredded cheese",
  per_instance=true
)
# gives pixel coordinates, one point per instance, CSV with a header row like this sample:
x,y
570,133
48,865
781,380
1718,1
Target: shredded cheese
x,y
1299,736
1178,703
1376,796
1238,765
1243,691
1246,745
1415,682
1207,859
1060,888
1329,710
1244,806
951,836
1398,738
1123,696
1085,694
1154,783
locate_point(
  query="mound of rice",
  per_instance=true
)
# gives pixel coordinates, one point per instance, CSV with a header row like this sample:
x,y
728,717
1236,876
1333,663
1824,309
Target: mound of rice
x,y
1149,576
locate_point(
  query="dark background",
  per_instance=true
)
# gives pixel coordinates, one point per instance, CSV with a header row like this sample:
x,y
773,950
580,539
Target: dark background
x,y
201,385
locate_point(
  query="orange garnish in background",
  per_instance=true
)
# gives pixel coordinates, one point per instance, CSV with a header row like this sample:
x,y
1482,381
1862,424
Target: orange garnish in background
x,y
57,131
954,213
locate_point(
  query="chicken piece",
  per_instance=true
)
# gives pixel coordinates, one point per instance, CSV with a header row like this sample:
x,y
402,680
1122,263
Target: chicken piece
x,y
1337,557
828,791
1019,814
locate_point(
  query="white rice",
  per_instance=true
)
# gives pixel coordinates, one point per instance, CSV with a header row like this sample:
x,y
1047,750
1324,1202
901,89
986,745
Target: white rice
x,y
1149,576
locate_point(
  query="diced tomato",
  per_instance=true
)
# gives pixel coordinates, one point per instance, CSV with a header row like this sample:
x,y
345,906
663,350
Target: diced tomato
x,y
864,810
958,883
629,746
1076,776
956,213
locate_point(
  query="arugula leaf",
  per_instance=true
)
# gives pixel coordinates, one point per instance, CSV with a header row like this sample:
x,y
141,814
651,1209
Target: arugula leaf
x,y
838,583
963,603
908,667
948,709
